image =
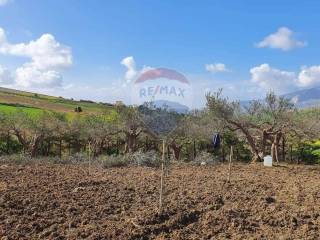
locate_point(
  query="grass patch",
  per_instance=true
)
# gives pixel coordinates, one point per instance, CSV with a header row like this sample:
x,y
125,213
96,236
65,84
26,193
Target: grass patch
x,y
12,108
17,98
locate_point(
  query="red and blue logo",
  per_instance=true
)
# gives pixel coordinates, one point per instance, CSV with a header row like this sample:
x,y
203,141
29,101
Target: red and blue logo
x,y
162,86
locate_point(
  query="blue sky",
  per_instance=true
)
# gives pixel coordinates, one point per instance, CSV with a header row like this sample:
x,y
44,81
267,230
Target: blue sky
x,y
245,47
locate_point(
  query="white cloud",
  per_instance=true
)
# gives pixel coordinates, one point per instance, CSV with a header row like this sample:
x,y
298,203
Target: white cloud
x,y
5,76
269,78
309,76
132,71
4,2
29,76
216,67
130,64
47,59
145,69
234,90
282,39
44,52
3,39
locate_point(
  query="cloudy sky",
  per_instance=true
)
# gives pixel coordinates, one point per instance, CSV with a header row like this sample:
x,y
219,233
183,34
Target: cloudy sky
x,y
95,49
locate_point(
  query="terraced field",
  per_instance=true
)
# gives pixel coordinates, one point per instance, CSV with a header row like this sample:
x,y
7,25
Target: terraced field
x,y
33,103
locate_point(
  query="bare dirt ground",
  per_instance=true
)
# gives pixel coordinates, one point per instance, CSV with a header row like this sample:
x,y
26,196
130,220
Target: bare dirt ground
x,y
64,202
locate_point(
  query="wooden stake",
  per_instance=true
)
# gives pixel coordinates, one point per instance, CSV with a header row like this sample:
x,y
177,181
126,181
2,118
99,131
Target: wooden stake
x,y
60,148
230,161
162,176
222,149
89,156
283,149
194,149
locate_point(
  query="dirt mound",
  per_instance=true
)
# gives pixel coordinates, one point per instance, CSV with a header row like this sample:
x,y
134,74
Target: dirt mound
x,y
64,202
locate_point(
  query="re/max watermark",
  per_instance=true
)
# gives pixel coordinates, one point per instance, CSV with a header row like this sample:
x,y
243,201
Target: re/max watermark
x,y
152,91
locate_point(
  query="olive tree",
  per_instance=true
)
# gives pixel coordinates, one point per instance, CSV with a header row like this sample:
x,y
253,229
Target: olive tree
x,y
258,123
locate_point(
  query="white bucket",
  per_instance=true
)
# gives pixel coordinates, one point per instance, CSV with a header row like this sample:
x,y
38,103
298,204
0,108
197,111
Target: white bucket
x,y
267,161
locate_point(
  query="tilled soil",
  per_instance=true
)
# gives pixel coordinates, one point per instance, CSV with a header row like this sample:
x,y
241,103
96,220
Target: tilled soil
x,y
64,202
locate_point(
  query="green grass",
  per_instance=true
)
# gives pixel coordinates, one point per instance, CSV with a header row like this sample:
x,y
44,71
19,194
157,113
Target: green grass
x,y
31,111
50,103
34,104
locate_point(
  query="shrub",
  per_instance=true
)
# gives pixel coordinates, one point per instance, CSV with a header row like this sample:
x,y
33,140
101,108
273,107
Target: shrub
x,y
311,152
113,161
25,159
9,145
149,159
316,154
205,158
16,158
78,158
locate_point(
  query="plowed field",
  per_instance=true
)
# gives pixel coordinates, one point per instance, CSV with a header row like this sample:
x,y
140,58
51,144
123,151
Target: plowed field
x,y
47,201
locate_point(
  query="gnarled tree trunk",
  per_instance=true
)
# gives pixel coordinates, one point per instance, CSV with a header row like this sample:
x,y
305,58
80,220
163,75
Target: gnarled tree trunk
x,y
131,140
176,150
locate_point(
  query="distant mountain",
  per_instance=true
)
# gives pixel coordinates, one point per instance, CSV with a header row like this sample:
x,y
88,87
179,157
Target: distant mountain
x,y
173,106
305,98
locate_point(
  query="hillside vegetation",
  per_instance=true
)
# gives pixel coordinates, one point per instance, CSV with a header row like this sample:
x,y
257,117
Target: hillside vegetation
x,y
40,125
34,103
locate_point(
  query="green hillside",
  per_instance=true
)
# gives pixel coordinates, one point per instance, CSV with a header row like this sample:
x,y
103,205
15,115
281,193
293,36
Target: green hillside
x,y
33,103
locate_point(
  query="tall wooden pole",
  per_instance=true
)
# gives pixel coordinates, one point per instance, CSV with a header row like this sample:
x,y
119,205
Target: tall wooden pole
x,y
230,161
60,148
283,149
222,149
89,156
162,176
